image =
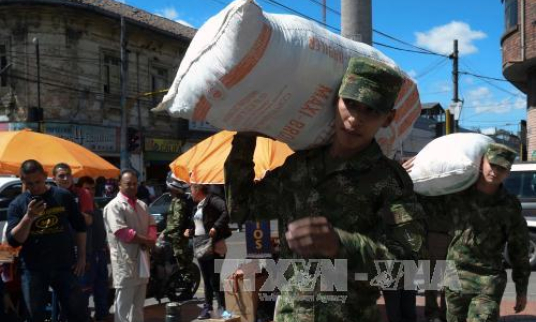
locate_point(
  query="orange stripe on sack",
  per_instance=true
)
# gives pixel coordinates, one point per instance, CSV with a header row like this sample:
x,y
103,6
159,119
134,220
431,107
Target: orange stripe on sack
x,y
408,94
409,120
251,59
406,87
201,109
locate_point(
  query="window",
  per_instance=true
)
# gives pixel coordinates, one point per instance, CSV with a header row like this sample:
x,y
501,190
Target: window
x,y
3,64
159,81
510,14
111,73
522,184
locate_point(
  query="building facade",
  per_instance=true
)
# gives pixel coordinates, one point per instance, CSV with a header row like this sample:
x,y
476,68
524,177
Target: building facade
x,y
60,72
519,59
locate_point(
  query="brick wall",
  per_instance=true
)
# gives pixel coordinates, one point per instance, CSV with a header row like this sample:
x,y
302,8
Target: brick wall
x,y
531,135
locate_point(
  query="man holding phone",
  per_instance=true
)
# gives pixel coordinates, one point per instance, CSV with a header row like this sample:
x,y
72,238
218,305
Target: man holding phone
x,y
41,220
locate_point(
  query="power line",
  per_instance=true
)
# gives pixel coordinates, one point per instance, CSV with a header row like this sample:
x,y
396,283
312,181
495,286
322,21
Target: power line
x,y
289,9
327,7
430,69
484,77
420,49
401,49
408,44
486,80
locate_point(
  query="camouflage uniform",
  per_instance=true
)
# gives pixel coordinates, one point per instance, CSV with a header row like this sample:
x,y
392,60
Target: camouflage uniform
x,y
178,220
481,225
368,199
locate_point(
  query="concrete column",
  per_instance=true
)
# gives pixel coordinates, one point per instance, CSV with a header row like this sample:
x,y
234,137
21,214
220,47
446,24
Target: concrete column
x,y
356,20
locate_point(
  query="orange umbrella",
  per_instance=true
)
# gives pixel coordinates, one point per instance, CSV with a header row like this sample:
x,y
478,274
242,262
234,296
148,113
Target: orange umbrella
x,y
19,146
204,162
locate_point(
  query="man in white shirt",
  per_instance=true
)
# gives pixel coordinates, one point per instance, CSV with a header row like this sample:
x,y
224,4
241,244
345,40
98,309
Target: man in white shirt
x,y
131,231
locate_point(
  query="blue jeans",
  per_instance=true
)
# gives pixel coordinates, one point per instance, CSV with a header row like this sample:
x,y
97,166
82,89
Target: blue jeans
x,y
35,286
100,284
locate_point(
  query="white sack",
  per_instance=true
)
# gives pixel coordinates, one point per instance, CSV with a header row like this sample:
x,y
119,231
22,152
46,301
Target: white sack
x,y
449,163
246,70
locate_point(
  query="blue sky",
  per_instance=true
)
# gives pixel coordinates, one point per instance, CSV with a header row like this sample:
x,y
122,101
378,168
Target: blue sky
x,y
477,24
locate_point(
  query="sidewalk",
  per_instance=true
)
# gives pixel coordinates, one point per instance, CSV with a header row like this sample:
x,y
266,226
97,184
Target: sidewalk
x,y
190,310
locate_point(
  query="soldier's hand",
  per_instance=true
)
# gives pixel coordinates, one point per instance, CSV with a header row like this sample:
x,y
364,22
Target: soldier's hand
x,y
408,165
313,236
521,303
187,233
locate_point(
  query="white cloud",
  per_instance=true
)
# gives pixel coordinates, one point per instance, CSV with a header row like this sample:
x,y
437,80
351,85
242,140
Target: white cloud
x,y
184,22
412,73
172,14
483,101
440,39
468,80
169,13
488,131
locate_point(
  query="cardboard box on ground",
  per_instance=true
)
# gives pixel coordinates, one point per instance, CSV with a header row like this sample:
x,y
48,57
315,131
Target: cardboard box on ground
x,y
239,299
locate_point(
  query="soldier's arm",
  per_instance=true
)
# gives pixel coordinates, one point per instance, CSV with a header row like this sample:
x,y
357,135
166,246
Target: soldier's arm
x,y
518,248
403,236
172,220
245,198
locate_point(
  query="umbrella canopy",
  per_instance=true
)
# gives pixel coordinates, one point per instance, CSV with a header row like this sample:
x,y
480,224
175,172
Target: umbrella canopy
x,y
19,146
204,162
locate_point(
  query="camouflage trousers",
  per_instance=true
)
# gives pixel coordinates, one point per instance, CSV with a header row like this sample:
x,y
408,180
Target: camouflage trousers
x,y
289,309
472,307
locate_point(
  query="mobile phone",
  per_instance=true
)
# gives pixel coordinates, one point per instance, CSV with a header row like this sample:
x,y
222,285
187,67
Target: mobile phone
x,y
37,198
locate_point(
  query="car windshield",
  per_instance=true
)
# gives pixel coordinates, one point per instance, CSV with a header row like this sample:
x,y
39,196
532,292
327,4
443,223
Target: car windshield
x,y
522,184
160,205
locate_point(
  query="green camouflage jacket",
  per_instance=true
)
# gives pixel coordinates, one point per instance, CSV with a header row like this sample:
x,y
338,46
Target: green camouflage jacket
x,y
480,227
178,220
368,199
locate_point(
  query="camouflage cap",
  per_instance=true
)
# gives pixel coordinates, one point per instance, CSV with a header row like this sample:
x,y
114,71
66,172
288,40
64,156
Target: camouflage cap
x,y
372,83
501,155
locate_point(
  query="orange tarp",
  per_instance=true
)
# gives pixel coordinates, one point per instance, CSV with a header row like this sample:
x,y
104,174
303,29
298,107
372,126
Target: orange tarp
x,y
203,163
19,146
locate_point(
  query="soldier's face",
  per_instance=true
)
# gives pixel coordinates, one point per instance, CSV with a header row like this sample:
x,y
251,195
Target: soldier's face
x,y
356,124
493,174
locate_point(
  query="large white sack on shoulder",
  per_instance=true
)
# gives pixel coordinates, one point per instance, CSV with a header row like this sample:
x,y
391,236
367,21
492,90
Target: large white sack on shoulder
x,y
449,163
275,74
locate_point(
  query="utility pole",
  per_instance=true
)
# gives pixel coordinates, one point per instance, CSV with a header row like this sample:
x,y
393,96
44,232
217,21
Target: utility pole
x,y
38,63
452,124
324,20
125,160
356,20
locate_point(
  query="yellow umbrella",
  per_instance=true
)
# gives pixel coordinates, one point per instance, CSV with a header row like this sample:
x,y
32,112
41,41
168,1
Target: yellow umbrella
x,y
19,146
203,163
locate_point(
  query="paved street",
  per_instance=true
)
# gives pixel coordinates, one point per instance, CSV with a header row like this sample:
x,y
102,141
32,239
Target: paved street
x,y
155,312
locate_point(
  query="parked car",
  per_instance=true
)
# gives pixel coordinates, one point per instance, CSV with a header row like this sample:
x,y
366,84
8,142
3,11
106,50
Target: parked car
x,y
159,208
522,183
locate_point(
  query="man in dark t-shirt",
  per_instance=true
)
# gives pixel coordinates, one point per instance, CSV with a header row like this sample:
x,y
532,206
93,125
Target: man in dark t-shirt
x,y
42,220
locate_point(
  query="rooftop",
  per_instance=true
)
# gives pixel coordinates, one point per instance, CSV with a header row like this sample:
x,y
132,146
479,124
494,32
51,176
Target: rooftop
x,y
118,9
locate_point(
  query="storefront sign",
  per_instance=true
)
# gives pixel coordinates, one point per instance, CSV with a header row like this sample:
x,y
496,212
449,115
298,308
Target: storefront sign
x,y
163,145
95,138
201,126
